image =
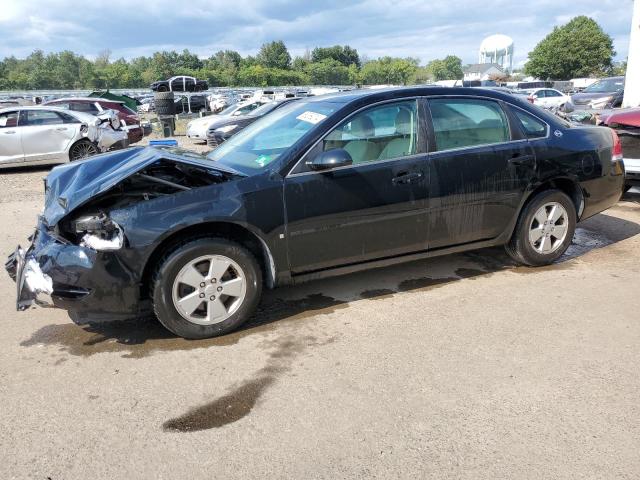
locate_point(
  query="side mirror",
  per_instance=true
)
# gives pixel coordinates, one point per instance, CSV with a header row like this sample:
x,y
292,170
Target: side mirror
x,y
337,157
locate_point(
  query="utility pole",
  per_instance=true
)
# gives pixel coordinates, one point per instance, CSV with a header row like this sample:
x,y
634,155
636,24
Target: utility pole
x,y
632,81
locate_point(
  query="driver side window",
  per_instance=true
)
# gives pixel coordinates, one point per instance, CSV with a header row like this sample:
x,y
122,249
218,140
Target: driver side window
x,y
379,133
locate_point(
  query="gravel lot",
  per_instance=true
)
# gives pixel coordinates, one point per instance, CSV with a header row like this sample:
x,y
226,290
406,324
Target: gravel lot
x,y
459,367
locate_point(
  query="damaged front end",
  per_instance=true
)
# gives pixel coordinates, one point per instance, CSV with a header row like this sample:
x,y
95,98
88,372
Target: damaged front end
x,y
80,257
107,132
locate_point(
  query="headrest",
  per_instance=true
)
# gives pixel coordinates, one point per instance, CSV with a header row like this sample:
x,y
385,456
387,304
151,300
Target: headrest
x,y
362,127
403,122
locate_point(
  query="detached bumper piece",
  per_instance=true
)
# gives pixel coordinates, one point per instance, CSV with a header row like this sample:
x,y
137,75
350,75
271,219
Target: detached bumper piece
x,y
32,285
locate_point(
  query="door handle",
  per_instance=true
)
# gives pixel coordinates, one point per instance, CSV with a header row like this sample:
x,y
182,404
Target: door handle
x,y
9,132
521,160
61,129
404,178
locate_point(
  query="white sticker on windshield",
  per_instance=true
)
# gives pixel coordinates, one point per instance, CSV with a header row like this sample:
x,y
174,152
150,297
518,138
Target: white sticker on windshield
x,y
311,117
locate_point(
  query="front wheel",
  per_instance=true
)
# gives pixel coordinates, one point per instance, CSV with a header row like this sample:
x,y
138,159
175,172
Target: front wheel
x,y
206,287
82,149
544,230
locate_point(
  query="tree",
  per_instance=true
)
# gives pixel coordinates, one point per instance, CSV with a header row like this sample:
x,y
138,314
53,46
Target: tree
x,y
328,72
449,68
274,55
344,55
578,49
389,70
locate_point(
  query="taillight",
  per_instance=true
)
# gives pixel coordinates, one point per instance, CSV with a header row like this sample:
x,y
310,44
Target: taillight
x,y
531,99
616,154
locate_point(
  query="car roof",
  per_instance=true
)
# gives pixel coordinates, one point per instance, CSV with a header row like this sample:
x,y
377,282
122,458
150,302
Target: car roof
x,y
36,107
80,115
83,99
400,92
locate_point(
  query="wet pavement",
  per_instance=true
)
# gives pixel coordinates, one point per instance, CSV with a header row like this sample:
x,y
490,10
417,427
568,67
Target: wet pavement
x,y
465,366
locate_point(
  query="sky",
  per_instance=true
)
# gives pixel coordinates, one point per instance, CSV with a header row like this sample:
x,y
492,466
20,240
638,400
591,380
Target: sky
x,y
426,29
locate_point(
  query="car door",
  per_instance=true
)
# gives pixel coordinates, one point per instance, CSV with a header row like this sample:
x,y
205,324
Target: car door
x,y
189,84
554,98
479,170
541,98
10,141
371,209
45,135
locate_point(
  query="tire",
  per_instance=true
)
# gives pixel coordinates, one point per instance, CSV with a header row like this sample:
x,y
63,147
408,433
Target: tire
x,y
165,110
164,103
189,264
82,149
553,238
162,88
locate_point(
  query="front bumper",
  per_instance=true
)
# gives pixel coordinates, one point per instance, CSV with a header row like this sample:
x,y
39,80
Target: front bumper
x,y
32,285
632,171
91,285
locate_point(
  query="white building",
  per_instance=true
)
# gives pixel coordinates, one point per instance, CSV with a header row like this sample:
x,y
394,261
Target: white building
x,y
482,71
497,49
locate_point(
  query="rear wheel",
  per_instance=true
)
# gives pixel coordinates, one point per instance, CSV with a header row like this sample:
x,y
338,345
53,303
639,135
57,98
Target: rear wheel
x,y
544,230
206,287
82,149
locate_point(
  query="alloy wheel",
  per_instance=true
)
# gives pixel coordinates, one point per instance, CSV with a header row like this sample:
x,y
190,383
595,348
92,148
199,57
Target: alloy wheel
x,y
548,229
83,150
209,289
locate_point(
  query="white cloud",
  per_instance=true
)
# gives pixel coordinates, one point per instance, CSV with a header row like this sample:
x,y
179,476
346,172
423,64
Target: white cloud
x,y
413,28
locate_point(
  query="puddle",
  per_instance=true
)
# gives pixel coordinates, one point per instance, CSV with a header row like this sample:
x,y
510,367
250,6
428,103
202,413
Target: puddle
x,y
141,337
226,409
470,272
377,293
239,402
423,283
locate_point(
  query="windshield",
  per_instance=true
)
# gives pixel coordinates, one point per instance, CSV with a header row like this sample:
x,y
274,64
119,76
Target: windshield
x,y
264,109
229,110
266,139
606,85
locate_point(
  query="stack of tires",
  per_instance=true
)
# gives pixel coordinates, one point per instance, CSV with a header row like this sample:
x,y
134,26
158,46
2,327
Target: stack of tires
x,y
165,103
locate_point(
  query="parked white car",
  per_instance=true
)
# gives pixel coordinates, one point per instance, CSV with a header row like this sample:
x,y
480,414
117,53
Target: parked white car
x,y
548,97
197,129
43,135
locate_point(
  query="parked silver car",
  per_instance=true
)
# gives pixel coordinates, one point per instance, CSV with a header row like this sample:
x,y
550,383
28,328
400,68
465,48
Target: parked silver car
x,y
43,135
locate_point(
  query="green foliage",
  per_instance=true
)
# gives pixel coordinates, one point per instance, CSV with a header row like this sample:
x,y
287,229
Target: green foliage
x,y
274,55
578,49
337,65
344,55
327,72
449,68
388,70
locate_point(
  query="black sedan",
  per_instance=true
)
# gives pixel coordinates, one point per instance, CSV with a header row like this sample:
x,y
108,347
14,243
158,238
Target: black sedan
x,y
227,126
323,186
180,83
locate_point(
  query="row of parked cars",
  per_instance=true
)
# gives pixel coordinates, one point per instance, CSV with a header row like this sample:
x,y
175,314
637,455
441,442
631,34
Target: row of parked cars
x,y
65,129
603,94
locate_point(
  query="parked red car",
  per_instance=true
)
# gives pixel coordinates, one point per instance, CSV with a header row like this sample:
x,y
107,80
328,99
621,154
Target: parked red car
x,y
626,123
94,106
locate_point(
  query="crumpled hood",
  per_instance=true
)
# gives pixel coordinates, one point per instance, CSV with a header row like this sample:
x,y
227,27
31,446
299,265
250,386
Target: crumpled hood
x,y
71,185
629,117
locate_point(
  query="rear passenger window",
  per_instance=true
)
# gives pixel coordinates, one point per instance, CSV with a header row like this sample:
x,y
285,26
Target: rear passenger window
x,y
379,133
531,126
89,108
459,123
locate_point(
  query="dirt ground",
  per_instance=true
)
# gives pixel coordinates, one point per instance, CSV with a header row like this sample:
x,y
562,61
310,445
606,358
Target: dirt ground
x,y
463,367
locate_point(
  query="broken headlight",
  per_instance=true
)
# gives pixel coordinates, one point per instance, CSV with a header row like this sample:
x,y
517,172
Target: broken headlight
x,y
226,129
98,232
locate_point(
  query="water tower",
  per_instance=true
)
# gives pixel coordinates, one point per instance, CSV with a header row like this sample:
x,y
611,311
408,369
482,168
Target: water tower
x,y
497,49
